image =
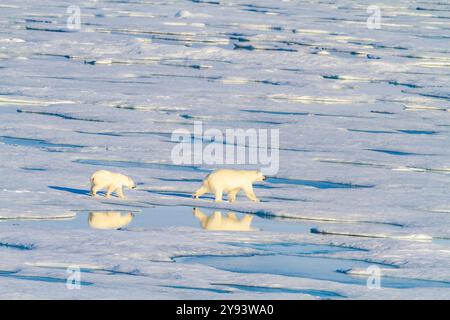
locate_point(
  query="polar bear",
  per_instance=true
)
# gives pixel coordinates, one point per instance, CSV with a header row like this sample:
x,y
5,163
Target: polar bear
x,y
231,182
113,182
109,220
217,222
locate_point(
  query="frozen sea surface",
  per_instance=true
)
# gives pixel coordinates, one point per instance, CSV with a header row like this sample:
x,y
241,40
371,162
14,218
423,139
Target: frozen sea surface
x,y
364,147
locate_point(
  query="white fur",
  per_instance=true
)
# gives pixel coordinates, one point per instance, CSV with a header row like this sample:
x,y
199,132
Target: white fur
x,y
109,220
230,222
231,182
113,182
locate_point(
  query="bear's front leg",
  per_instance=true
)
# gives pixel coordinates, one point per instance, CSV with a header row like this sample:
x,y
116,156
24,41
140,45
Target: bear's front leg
x,y
218,195
94,190
250,193
119,192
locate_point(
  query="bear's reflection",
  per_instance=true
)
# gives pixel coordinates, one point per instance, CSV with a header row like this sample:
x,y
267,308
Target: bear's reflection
x,y
219,222
109,220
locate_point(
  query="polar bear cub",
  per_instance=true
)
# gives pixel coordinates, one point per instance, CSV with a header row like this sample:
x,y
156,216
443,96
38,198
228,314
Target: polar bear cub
x,y
113,182
231,182
219,222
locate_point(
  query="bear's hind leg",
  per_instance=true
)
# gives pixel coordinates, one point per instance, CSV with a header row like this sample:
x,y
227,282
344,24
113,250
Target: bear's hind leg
x,y
232,195
110,190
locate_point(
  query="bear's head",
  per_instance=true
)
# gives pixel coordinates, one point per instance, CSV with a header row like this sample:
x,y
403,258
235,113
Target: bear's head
x,y
130,183
259,176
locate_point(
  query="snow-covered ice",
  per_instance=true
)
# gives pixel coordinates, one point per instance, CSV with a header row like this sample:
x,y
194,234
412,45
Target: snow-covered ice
x,y
364,147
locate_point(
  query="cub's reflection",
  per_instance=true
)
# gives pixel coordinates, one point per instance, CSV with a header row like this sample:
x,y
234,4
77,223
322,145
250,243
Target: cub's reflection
x,y
109,220
219,222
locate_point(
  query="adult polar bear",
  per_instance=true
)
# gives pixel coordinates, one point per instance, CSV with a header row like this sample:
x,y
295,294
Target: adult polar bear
x,y
113,182
230,181
109,220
